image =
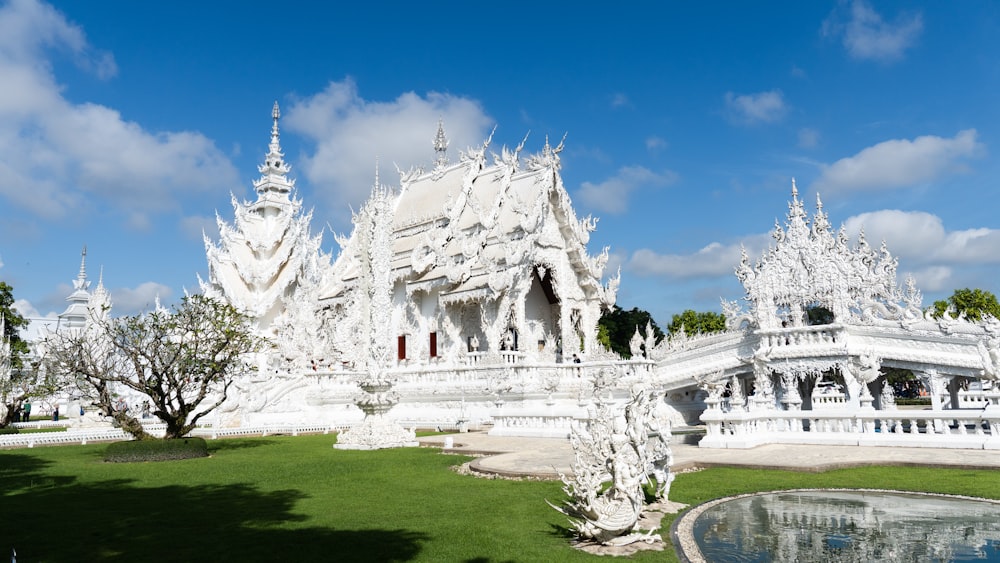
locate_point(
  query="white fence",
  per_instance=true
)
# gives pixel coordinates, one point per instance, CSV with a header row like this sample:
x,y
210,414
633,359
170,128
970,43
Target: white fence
x,y
32,439
965,429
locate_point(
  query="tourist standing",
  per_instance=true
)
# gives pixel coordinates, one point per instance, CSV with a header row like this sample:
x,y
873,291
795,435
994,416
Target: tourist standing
x,y
27,412
55,414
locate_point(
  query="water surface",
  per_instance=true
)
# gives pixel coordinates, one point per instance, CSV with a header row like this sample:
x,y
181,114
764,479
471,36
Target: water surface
x,y
826,525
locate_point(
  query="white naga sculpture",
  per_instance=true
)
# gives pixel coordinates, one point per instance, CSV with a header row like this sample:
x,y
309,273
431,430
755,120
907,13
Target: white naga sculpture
x,y
615,453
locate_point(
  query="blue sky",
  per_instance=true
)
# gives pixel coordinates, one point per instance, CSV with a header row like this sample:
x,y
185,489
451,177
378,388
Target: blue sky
x,y
126,125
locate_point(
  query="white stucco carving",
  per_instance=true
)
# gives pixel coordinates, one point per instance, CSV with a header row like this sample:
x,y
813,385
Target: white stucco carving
x,y
817,307
615,452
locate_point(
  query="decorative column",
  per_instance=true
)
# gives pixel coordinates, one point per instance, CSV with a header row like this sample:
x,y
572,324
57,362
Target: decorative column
x,y
376,431
791,399
935,384
713,417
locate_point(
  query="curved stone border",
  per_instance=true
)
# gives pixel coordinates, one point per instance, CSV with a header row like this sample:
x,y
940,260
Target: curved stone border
x,y
682,530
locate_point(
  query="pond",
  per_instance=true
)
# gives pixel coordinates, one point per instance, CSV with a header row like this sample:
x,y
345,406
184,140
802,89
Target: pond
x,y
847,525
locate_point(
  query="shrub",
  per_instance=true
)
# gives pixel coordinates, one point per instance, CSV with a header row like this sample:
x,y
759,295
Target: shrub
x,y
156,450
9,430
918,401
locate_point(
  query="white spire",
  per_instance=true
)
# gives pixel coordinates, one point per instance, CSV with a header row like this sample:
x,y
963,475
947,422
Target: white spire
x,y
441,146
75,315
275,115
274,169
81,283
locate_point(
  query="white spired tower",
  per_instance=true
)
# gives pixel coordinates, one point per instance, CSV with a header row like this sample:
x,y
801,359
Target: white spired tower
x,y
267,264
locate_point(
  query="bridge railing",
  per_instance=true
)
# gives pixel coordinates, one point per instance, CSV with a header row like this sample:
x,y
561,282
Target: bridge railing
x,y
967,429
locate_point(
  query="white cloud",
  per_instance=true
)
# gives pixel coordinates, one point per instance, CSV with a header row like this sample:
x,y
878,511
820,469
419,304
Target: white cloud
x,y
713,260
351,132
866,35
1,261
611,195
616,262
131,301
900,163
655,144
620,100
762,107
808,138
194,226
921,238
26,309
73,155
933,278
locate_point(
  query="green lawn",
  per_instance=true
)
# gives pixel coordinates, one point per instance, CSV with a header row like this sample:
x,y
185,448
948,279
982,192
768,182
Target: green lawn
x,y
298,499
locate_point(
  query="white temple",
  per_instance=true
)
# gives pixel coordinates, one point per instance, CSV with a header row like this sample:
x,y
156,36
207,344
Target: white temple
x,y
470,286
467,296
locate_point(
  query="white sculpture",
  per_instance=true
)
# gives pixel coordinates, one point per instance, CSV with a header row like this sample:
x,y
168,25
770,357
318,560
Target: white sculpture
x,y
377,430
612,460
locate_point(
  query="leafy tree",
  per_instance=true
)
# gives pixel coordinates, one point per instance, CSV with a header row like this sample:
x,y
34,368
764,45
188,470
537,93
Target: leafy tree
x,y
698,323
183,360
975,303
13,323
20,380
616,327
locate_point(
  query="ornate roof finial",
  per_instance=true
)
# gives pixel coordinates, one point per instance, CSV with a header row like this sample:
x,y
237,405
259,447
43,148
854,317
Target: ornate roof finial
x,y
441,146
276,115
83,264
81,283
795,190
274,169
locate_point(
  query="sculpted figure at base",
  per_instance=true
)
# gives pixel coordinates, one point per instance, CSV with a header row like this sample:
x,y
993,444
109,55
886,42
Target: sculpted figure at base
x,y
612,461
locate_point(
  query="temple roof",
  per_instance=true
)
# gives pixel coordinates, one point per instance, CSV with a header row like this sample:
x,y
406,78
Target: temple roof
x,y
460,224
812,266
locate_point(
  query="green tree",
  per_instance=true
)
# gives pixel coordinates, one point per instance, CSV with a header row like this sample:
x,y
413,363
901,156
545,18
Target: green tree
x,y
698,323
13,322
974,303
20,380
616,327
183,361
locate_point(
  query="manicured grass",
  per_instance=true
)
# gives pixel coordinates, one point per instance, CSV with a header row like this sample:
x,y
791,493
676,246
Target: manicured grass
x,y
297,498
41,430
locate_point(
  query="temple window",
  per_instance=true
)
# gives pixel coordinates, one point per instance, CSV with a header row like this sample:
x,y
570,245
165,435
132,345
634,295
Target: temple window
x,y
434,344
401,347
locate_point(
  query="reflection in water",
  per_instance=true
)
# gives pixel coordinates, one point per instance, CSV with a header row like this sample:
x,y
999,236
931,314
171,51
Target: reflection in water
x,y
849,526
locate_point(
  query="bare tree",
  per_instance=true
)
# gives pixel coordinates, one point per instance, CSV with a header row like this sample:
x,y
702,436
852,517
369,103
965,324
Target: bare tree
x,y
182,360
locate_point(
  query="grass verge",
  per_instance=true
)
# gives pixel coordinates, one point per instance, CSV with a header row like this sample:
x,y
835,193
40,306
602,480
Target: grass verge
x,y
281,498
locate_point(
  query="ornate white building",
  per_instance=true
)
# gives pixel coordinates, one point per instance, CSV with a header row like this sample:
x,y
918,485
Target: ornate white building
x,y
468,295
469,282
823,311
485,259
267,264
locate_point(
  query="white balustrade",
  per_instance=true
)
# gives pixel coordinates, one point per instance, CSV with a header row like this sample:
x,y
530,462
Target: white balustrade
x,y
32,439
968,429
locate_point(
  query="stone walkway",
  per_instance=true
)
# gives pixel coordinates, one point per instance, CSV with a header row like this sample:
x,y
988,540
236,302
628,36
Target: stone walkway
x,y
545,457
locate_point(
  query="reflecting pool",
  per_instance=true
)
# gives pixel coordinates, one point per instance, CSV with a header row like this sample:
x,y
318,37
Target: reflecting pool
x,y
842,525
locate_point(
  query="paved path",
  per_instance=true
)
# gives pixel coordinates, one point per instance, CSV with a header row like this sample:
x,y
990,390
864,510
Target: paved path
x,y
544,457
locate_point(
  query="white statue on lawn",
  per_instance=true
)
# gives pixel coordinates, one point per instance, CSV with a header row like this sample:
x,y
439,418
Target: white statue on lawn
x,y
615,447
